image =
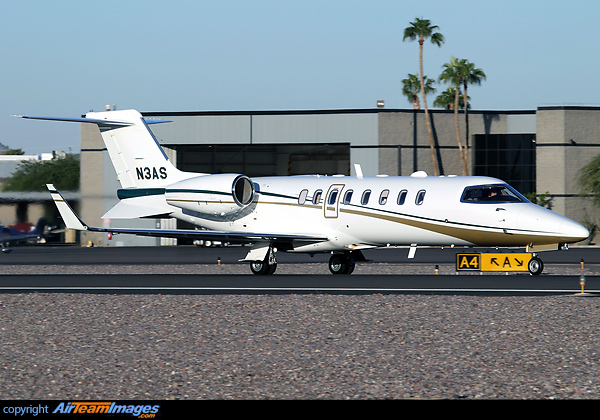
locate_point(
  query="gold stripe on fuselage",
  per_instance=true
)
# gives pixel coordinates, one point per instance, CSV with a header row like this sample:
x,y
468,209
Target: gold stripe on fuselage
x,y
474,234
478,235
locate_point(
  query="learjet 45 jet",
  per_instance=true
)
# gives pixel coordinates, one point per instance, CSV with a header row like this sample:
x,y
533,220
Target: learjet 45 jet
x,y
340,215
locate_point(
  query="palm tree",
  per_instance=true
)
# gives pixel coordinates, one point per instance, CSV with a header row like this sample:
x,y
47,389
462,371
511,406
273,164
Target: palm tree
x,y
445,100
470,75
452,75
411,87
422,29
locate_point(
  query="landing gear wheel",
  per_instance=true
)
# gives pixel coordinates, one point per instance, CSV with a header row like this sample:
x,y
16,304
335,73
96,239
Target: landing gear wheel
x,y
263,268
341,264
267,266
535,266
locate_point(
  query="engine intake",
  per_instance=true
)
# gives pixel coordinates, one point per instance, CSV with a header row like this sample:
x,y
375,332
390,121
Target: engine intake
x,y
221,194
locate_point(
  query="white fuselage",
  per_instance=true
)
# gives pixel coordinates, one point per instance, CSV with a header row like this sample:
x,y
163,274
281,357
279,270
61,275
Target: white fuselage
x,y
433,212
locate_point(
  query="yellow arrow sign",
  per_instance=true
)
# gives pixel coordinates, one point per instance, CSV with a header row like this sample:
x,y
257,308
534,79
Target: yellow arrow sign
x,y
505,262
493,262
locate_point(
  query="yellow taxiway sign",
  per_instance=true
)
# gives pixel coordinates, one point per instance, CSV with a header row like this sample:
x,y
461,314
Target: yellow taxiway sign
x,y
493,262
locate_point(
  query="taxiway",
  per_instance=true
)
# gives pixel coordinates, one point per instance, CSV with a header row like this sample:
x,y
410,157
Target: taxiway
x,y
71,269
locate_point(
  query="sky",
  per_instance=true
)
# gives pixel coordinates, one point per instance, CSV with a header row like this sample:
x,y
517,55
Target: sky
x,y
67,57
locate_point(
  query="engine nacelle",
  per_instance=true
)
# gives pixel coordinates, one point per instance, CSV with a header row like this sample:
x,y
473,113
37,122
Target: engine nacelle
x,y
217,195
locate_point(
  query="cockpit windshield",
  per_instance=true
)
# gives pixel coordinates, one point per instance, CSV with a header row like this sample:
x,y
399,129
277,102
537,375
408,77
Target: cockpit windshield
x,y
499,193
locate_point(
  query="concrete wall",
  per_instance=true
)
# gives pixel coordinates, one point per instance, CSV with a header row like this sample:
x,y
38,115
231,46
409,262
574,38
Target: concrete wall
x,y
9,216
408,129
567,139
91,181
357,128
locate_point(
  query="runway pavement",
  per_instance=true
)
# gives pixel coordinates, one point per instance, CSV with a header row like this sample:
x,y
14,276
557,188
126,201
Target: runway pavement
x,y
512,285
72,254
194,270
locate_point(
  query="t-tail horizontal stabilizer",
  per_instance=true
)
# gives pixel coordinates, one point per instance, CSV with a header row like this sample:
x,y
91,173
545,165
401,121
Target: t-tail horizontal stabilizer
x,y
92,120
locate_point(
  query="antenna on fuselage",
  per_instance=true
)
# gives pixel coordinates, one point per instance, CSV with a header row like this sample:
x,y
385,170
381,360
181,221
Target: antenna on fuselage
x,y
358,170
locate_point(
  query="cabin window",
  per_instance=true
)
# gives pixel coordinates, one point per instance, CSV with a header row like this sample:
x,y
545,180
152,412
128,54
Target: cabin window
x,y
333,197
302,197
364,200
420,197
347,197
491,194
384,197
317,197
402,197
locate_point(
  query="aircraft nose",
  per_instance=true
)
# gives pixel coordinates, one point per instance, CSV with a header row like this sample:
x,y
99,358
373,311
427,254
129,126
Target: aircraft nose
x,y
573,231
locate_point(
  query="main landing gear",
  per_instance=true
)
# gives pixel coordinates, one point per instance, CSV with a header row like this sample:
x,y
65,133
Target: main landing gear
x,y
342,263
265,267
339,263
262,268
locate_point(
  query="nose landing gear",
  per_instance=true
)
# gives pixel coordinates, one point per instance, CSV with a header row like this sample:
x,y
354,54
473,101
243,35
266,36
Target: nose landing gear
x,y
535,265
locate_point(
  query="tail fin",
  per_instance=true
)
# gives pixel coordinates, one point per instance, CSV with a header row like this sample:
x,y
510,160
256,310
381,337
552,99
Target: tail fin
x,y
40,226
138,158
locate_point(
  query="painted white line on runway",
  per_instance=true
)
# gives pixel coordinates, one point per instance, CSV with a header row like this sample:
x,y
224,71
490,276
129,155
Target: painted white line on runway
x,y
280,289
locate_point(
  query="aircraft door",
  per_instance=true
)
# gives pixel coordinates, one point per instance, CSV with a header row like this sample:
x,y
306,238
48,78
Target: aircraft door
x,y
332,201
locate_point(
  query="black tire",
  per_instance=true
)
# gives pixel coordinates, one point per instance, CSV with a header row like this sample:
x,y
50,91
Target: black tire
x,y
341,264
262,268
535,266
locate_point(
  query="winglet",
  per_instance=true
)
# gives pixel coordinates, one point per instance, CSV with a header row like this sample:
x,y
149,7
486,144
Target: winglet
x,y
72,221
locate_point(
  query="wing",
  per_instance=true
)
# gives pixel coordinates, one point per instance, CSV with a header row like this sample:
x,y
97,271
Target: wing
x,y
19,237
73,221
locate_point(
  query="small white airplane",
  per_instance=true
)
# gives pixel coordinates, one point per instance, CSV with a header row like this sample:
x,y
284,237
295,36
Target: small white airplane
x,y
341,215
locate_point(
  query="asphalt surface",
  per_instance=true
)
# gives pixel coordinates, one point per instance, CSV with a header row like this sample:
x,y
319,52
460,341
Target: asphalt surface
x,y
70,254
294,284
218,271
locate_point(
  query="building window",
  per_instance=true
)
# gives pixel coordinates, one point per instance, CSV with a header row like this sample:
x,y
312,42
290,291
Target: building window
x,y
509,157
